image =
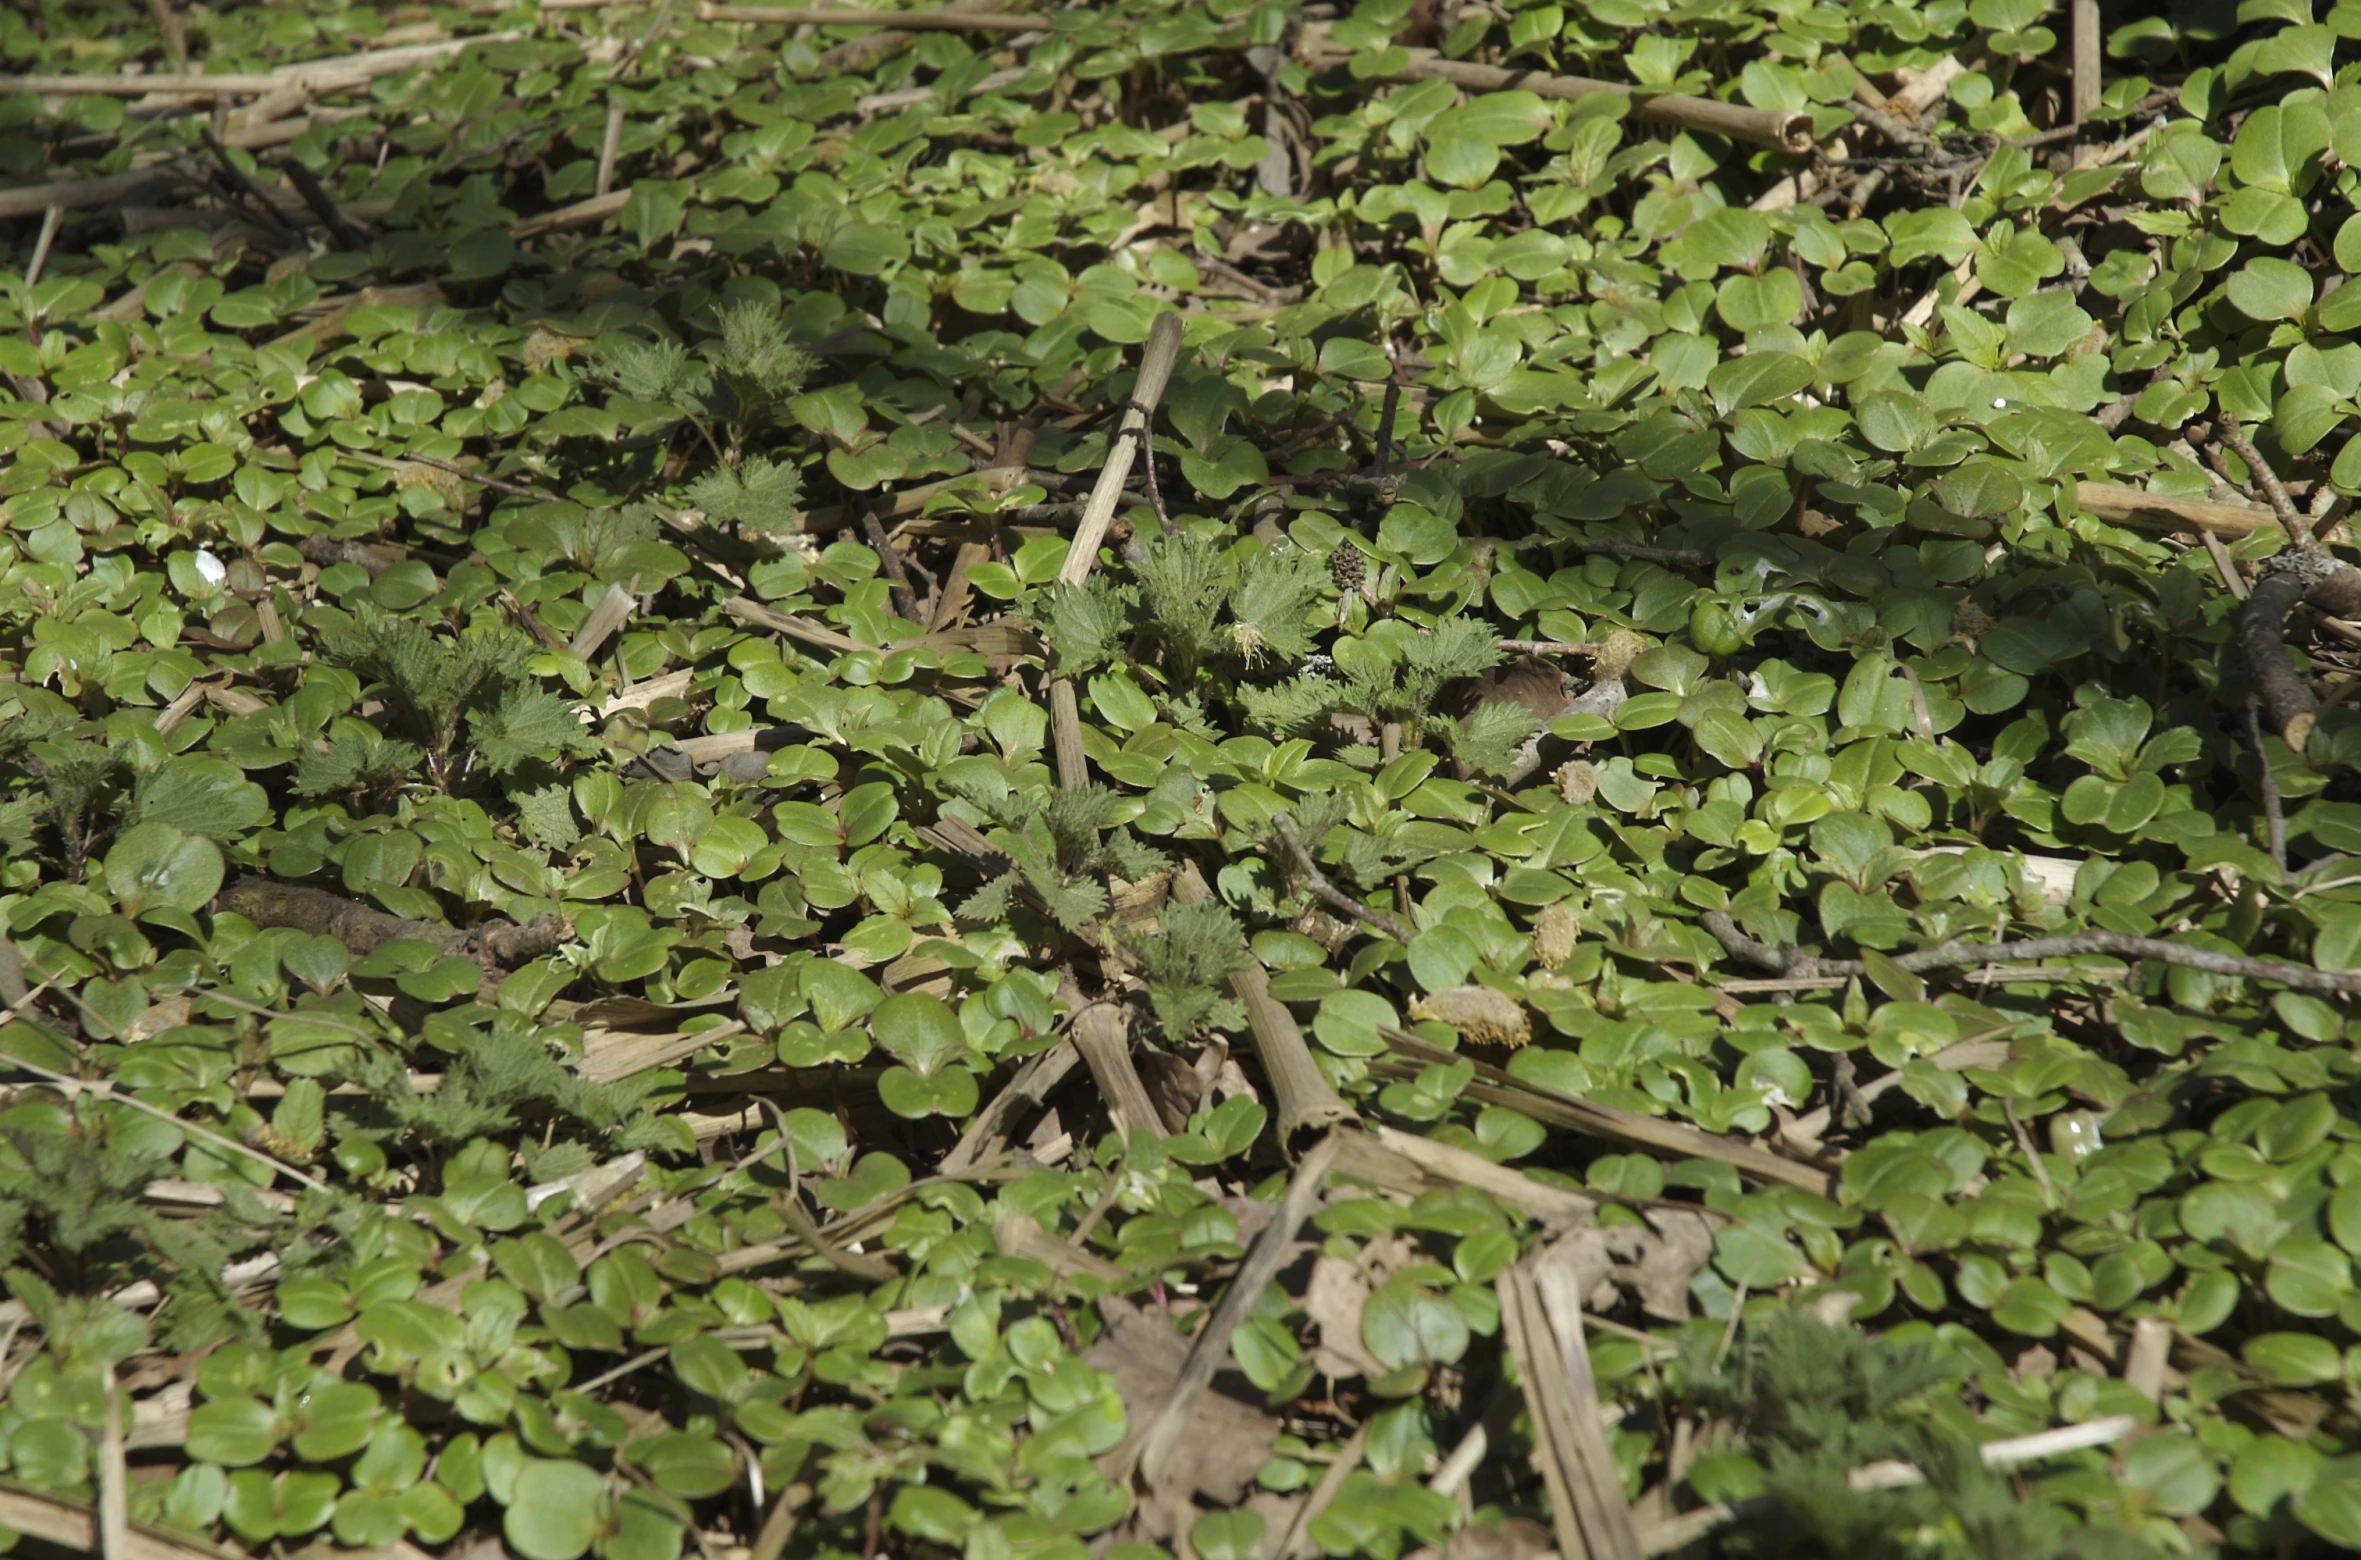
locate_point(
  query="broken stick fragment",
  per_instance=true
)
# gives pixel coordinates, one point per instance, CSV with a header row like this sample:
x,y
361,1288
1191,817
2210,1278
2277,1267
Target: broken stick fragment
x,y
496,945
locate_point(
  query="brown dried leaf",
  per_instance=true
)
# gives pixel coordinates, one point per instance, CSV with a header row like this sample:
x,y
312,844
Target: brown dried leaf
x,y
1683,1244
1334,1300
1226,1443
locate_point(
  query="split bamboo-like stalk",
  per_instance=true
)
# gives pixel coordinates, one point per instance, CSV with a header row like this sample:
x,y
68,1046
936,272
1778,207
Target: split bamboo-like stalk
x,y
1156,364
1587,1509
1301,1097
1104,1040
1065,727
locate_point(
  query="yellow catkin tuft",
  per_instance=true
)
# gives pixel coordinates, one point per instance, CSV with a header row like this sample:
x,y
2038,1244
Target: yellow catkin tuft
x,y
1481,1015
1616,653
1554,932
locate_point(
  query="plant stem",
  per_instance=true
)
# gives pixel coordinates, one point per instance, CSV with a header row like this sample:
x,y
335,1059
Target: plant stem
x,y
1956,954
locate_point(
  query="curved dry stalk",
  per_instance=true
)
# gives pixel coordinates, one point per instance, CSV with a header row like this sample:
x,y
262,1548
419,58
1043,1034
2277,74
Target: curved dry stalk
x,y
2301,576
1302,1099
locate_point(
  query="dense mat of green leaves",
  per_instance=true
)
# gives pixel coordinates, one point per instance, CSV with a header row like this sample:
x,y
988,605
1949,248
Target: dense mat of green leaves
x,y
1907,659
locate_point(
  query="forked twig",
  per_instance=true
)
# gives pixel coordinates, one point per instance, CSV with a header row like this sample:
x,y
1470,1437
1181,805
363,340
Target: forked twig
x,y
1317,882
2299,524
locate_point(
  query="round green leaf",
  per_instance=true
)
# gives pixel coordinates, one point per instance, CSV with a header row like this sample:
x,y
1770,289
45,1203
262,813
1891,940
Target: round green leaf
x,y
553,1510
154,866
2268,288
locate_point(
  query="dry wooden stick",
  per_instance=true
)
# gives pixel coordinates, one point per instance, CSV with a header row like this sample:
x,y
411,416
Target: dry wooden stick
x,y
328,75
1957,954
50,221
176,36
114,1478
1103,1038
2300,576
840,16
1139,415
1600,1510
897,572
71,1525
1295,1543
609,147
1065,729
1493,1086
2087,83
2161,512
1789,132
227,1145
1025,1092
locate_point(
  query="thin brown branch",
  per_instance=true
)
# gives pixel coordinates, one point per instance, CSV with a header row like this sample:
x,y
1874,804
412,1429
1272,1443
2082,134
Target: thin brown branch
x,y
1789,132
900,21
2299,524
2274,818
2296,577
2082,945
227,1145
2161,512
1317,883
323,206
897,572
1617,547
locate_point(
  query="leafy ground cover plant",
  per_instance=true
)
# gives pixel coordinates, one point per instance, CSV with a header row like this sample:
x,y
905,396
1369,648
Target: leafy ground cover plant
x,y
1674,872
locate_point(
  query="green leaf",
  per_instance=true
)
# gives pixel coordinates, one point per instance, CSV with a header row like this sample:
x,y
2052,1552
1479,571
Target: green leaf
x,y
553,1510
2297,1359
235,1432
920,1031
2268,288
154,866
2330,1504
1404,1326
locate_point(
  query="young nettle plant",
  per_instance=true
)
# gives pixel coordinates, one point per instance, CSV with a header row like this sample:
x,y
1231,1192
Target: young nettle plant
x,y
729,390
464,704
1058,849
1193,949
1394,675
1190,603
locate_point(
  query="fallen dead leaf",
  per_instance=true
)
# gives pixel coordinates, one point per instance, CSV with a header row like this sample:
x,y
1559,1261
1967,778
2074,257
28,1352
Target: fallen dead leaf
x,y
1682,1247
1227,1441
1334,1300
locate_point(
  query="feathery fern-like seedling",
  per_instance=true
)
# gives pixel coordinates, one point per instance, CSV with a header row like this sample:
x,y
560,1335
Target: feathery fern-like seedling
x,y
464,702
